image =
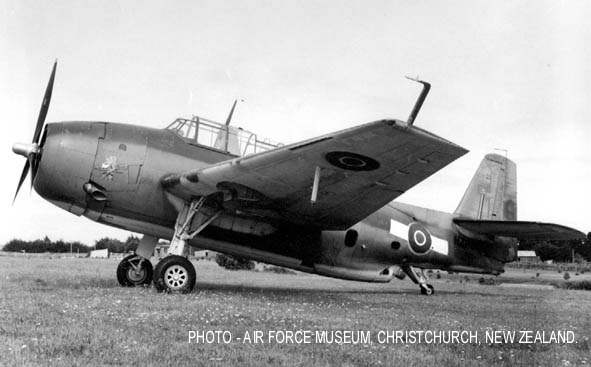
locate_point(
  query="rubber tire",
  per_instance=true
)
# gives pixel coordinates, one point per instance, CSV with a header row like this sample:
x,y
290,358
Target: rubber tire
x,y
431,288
124,267
427,290
167,263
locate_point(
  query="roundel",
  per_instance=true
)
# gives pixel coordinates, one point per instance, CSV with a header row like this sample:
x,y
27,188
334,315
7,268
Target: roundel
x,y
419,238
352,161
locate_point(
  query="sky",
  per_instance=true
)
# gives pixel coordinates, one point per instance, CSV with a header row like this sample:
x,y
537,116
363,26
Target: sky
x,y
512,75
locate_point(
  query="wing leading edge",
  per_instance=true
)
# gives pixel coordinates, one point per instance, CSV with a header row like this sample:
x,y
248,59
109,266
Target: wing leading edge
x,y
521,230
361,170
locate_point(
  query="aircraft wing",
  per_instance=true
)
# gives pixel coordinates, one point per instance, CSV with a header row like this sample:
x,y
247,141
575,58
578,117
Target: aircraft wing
x,y
520,230
361,169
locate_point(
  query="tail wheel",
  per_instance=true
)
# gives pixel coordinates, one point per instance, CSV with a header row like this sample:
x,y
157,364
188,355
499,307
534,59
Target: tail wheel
x,y
174,274
134,271
427,289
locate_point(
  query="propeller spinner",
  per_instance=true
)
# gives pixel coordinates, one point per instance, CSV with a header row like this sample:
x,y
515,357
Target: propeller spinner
x,y
31,150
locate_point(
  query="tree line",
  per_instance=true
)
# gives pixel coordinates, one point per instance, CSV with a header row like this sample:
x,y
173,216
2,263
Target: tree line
x,y
60,246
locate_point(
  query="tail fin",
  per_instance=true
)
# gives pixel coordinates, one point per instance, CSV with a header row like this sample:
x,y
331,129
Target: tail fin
x,y
492,193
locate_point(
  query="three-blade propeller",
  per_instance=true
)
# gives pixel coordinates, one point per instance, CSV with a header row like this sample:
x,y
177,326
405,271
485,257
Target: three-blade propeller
x,y
31,151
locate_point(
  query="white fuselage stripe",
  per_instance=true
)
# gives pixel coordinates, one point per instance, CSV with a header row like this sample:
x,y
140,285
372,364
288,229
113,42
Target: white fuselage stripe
x,y
439,245
398,229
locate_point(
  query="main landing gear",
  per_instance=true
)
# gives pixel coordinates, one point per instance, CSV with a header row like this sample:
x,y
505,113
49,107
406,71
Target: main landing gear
x,y
418,277
134,271
175,273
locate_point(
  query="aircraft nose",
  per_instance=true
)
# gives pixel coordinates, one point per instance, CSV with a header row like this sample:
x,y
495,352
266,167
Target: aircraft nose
x,y
25,149
66,164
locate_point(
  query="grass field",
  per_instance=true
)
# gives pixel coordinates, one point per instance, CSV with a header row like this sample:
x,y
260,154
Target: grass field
x,y
72,312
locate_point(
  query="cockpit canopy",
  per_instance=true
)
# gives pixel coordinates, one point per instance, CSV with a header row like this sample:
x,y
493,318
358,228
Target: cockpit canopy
x,y
230,139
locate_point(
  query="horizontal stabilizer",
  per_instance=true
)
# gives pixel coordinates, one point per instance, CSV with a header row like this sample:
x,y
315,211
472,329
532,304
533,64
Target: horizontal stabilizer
x,y
520,230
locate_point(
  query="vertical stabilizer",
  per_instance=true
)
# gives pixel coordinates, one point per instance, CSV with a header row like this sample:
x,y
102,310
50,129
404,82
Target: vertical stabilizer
x,y
492,193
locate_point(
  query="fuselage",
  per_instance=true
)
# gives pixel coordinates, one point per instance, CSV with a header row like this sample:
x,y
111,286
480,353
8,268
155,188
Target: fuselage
x,y
127,165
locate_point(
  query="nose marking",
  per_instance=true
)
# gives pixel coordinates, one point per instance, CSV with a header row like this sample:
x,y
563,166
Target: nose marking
x,y
110,167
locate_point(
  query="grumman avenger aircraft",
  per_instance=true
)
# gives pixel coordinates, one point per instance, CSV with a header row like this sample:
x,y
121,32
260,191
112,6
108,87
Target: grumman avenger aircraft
x,y
323,205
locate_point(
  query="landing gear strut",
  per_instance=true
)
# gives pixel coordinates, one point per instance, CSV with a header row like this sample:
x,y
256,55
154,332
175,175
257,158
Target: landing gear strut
x,y
134,271
175,273
418,277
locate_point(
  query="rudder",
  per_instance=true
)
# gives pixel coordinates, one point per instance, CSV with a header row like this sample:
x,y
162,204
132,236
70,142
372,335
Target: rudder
x,y
492,193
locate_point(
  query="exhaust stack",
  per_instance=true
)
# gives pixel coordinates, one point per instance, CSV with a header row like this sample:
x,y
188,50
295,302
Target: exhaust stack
x,y
95,192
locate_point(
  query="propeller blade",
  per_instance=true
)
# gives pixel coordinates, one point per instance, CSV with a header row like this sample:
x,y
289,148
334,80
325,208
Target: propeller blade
x,y
34,163
44,105
23,176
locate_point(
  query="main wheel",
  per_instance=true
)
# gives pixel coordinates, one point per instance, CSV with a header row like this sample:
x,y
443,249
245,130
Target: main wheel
x,y
130,273
174,274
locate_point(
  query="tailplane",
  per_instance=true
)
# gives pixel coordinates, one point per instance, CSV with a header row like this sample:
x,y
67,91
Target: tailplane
x,y
489,206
